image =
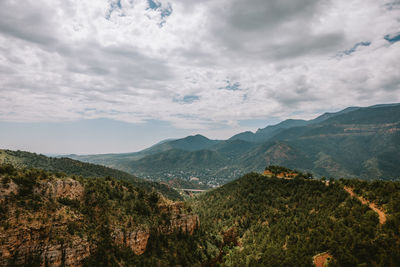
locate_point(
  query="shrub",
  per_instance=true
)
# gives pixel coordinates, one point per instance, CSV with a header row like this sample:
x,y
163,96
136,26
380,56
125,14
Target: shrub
x,y
7,169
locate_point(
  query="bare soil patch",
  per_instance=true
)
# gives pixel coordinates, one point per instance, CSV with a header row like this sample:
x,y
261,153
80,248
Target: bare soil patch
x,y
372,206
321,259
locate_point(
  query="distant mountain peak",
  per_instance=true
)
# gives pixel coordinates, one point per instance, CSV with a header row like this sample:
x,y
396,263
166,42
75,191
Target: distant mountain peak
x,y
197,136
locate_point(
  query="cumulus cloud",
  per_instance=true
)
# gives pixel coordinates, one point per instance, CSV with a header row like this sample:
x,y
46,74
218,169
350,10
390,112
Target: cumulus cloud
x,y
195,64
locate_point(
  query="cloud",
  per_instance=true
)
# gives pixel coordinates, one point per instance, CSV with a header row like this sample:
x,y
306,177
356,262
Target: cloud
x,y
167,60
28,22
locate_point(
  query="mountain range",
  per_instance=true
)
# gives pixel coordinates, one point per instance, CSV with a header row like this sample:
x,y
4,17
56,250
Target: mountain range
x,y
359,142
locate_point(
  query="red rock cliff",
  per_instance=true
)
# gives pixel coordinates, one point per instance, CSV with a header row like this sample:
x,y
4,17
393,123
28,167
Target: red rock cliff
x,y
46,233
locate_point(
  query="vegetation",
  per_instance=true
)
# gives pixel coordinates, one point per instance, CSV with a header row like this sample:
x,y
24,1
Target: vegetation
x,y
384,194
277,170
263,221
66,166
253,221
107,204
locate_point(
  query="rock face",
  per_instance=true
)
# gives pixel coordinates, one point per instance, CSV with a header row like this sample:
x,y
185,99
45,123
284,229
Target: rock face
x,y
68,188
179,221
44,235
52,233
135,240
72,254
38,240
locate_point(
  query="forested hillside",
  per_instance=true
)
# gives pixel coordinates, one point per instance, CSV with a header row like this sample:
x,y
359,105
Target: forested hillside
x,y
21,159
49,219
52,219
266,221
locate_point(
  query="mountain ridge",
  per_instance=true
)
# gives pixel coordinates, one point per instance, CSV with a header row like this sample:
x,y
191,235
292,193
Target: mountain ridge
x,y
22,159
354,142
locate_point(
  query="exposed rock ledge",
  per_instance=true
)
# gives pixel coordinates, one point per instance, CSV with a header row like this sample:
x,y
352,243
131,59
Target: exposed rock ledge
x,y
37,242
29,235
179,222
135,240
68,188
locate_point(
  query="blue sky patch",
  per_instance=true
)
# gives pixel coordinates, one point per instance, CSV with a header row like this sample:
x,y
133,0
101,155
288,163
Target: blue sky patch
x,y
354,48
114,5
190,98
232,86
165,11
153,5
392,38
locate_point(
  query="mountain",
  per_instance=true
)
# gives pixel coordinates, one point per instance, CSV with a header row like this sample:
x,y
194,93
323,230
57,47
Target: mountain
x,y
48,219
189,143
193,143
53,219
354,142
265,221
266,133
328,115
362,143
180,164
22,159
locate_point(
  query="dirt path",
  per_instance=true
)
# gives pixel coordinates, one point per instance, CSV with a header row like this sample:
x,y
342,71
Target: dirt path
x,y
320,259
372,206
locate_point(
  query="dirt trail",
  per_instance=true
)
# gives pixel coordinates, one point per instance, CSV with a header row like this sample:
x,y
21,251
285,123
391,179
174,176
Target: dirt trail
x,y
372,206
320,259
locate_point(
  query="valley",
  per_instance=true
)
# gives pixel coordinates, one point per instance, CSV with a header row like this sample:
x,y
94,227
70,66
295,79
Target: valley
x,y
354,142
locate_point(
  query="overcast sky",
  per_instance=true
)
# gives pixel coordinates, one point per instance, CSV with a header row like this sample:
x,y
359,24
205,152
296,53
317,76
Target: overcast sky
x,y
116,76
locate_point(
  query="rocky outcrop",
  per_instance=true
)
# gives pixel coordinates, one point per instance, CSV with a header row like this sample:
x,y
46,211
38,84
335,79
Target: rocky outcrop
x,y
7,189
31,232
68,188
18,244
50,229
70,254
179,221
135,240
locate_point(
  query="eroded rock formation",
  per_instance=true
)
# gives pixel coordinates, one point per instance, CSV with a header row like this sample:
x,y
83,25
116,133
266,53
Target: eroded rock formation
x,y
179,221
68,188
135,240
53,234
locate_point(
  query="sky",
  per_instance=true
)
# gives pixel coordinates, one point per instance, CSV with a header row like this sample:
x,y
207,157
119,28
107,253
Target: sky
x,y
120,75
